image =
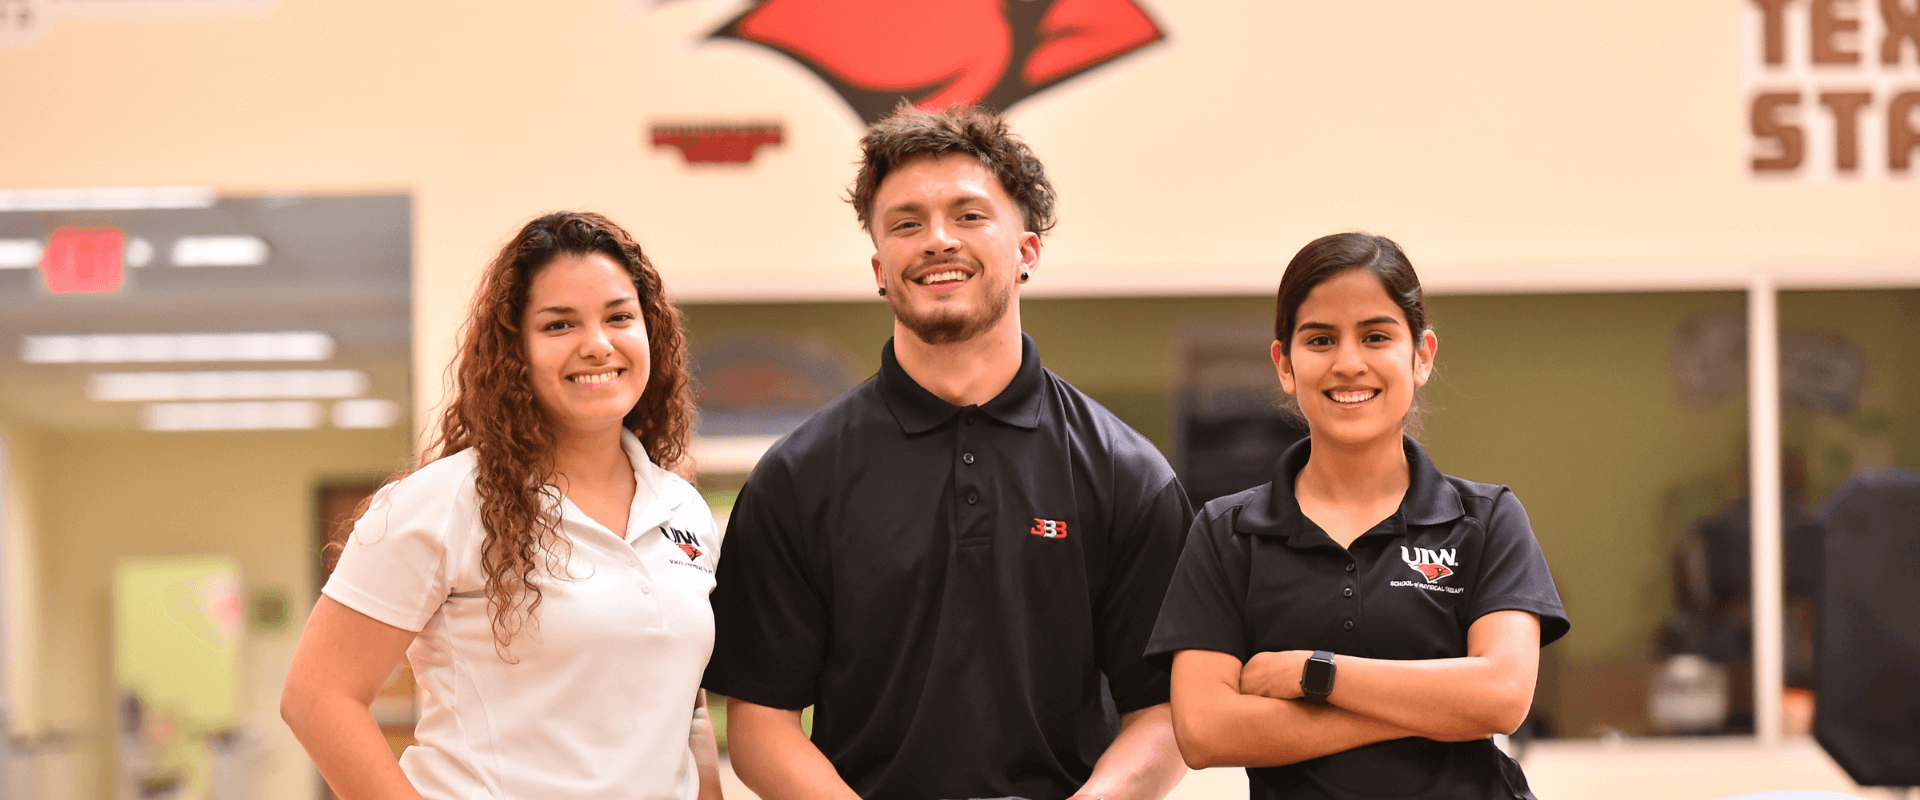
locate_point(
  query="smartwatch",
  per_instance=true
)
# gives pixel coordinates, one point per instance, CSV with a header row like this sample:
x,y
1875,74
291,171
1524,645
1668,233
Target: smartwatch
x,y
1316,678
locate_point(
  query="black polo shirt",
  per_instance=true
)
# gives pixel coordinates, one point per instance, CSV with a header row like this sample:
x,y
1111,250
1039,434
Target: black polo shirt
x,y
953,589
1258,576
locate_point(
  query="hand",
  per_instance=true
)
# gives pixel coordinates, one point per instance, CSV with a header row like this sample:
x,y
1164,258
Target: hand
x,y
1275,675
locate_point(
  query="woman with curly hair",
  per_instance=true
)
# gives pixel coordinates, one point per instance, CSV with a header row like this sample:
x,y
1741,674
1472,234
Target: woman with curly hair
x,y
547,565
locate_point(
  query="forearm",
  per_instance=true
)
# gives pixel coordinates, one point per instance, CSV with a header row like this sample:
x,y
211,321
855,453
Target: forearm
x,y
1219,726
347,746
773,756
1446,698
706,753
1240,730
1143,763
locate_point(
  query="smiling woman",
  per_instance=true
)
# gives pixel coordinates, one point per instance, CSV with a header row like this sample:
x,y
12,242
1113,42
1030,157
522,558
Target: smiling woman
x,y
1362,625
545,555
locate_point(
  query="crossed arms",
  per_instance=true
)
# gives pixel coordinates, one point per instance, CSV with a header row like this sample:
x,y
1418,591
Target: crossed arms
x,y
1229,714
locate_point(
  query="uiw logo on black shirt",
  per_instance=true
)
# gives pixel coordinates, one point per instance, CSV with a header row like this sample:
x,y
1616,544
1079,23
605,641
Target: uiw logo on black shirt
x,y
1432,564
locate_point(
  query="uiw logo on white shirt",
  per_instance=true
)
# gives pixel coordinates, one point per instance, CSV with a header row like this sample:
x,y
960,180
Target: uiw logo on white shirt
x,y
1432,564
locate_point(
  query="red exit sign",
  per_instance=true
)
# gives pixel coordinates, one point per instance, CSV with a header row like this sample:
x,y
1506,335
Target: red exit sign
x,y
84,260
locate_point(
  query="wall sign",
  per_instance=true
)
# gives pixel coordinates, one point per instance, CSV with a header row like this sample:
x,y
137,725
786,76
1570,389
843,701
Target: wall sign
x,y
717,142
1833,89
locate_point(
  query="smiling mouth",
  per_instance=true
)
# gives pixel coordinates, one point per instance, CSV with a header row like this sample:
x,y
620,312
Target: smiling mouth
x,y
596,378
943,276
1352,397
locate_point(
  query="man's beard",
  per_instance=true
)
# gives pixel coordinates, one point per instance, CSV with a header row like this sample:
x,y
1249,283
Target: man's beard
x,y
947,326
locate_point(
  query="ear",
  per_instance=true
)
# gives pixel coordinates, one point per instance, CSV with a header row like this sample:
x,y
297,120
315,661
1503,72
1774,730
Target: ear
x,y
879,281
1029,251
1423,357
1283,364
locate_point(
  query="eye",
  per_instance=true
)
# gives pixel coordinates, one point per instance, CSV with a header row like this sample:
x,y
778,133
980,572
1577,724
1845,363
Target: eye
x,y
621,316
558,324
1379,337
904,225
972,216
1319,340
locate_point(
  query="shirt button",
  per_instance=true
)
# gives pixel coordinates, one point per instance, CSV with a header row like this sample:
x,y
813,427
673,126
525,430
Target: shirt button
x,y
647,588
1349,567
967,457
1347,592
973,499
1348,625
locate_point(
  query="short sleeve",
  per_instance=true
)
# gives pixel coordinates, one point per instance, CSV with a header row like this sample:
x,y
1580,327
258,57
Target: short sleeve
x,y
1205,607
1142,565
393,568
770,620
1513,572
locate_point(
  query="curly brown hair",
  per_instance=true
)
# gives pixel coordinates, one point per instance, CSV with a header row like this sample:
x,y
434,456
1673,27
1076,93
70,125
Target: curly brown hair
x,y
492,408
910,132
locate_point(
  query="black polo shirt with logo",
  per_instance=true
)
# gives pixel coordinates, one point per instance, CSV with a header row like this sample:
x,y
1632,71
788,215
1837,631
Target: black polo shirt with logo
x,y
1258,576
963,594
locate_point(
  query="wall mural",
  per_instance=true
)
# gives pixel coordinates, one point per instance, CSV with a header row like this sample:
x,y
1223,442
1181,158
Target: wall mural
x,y
875,53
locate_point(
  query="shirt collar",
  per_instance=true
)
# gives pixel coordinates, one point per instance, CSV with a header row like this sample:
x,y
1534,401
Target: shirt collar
x,y
654,499
918,410
1430,498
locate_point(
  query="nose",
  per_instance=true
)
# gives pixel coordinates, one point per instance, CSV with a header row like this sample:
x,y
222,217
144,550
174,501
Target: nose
x,y
940,239
1347,361
595,346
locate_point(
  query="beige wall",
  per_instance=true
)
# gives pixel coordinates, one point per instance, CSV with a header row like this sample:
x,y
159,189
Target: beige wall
x,y
19,480
1509,147
247,495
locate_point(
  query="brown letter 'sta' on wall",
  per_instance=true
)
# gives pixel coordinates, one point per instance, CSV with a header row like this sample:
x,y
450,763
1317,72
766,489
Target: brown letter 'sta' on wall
x,y
1767,125
1903,134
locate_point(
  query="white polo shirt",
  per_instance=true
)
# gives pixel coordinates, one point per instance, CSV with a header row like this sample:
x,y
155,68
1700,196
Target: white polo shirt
x,y
599,698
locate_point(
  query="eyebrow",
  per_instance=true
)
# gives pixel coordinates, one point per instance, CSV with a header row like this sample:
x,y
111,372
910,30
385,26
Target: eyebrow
x,y
569,309
910,206
1384,319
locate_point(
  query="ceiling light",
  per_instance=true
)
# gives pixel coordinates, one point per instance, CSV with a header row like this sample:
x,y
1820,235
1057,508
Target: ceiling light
x,y
238,385
139,252
20,253
153,347
366,413
107,198
219,251
284,415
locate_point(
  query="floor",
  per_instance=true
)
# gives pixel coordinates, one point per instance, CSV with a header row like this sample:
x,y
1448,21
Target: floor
x,y
1593,769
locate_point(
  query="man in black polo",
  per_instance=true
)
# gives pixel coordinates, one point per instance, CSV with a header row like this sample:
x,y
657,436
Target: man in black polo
x,y
958,563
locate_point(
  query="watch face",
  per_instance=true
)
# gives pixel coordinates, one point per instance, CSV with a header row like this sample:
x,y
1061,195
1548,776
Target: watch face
x,y
1317,678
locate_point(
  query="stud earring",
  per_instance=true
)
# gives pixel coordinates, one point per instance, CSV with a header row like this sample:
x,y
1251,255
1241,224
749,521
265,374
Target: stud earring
x,y
883,291
1024,276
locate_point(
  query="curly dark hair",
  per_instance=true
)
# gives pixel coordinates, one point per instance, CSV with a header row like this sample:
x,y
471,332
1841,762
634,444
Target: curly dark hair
x,y
492,408
910,132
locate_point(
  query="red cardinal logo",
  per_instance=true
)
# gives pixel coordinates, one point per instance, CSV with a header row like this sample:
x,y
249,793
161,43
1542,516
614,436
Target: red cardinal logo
x,y
935,54
690,550
1432,563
